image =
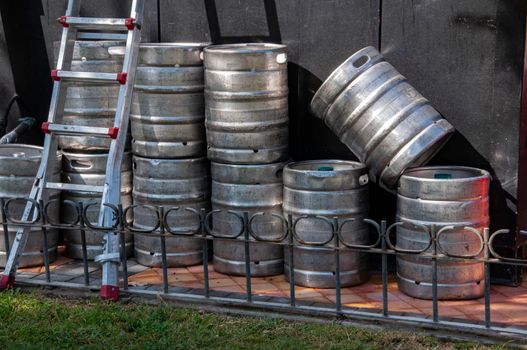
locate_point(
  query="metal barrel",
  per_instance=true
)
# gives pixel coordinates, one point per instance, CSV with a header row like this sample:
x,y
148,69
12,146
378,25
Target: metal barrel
x,y
18,168
90,169
382,119
167,114
246,103
252,189
332,189
442,196
170,183
91,104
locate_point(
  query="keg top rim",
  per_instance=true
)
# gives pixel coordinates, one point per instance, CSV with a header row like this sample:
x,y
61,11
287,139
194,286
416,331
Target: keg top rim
x,y
428,173
16,151
314,165
136,157
321,100
245,48
176,45
95,154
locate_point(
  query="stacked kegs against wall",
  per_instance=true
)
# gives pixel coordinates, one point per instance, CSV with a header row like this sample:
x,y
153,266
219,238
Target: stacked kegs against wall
x,y
332,189
169,164
18,168
84,161
246,96
442,196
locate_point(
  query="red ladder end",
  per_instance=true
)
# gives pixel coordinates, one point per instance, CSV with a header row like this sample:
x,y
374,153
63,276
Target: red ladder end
x,y
64,21
110,293
55,75
121,77
45,127
7,282
113,132
129,23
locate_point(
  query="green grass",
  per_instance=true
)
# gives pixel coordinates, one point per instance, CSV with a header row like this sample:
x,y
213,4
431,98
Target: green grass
x,y
31,321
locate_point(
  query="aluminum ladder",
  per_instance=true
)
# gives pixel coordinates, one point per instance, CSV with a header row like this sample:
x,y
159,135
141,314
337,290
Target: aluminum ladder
x,y
105,28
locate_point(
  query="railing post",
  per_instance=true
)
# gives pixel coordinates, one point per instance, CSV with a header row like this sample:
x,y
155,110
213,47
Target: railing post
x,y
290,228
435,312
384,269
45,252
203,217
122,238
247,257
338,301
163,250
486,238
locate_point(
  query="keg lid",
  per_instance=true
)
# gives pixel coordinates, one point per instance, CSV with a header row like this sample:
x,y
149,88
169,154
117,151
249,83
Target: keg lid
x,y
341,77
326,174
248,56
444,183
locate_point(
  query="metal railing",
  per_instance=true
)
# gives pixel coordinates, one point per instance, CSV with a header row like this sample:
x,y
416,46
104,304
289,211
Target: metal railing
x,y
381,243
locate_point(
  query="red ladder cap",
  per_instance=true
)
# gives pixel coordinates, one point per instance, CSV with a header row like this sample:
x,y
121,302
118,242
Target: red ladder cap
x,y
113,132
55,75
64,21
6,282
129,23
121,77
45,127
110,293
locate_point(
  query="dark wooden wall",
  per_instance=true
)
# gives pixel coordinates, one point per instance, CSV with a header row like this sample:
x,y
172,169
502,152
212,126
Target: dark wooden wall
x,y
464,56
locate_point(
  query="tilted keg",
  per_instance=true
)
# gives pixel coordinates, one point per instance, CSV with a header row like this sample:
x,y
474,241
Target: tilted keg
x,y
252,189
246,103
18,168
330,189
442,196
382,119
178,185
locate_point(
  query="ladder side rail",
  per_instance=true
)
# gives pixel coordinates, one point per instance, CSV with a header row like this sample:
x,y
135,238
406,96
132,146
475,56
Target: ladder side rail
x,y
112,194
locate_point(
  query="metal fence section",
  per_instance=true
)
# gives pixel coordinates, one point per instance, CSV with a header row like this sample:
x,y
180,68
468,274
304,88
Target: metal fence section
x,y
382,243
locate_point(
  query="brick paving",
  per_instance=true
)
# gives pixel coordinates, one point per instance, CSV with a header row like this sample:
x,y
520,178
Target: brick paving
x,y
508,304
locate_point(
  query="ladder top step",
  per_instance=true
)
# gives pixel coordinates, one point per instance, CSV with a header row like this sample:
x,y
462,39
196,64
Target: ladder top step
x,y
93,23
89,77
74,187
76,130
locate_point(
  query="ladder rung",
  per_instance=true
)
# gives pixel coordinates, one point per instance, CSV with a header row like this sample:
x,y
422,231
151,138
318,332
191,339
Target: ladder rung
x,y
76,130
101,36
89,77
74,187
90,23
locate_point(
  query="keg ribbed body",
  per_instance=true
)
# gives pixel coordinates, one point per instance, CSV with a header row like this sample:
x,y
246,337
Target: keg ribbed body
x,y
170,183
246,103
442,196
90,169
18,168
252,189
333,189
91,104
167,115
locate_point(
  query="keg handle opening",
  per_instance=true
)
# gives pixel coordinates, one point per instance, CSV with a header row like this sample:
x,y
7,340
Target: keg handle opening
x,y
361,61
81,164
